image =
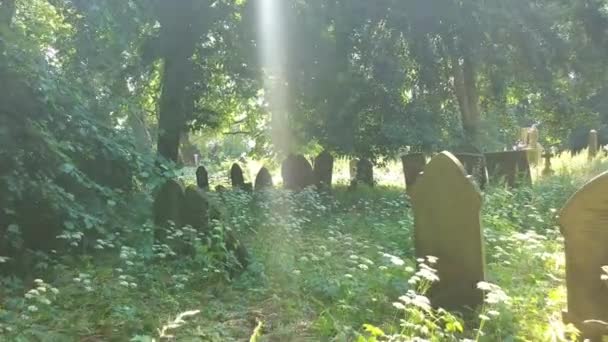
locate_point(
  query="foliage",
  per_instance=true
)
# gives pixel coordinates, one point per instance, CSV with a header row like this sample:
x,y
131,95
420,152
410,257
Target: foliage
x,y
323,267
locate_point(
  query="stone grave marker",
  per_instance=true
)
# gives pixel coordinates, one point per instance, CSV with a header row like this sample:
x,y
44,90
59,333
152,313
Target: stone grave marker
x,y
236,177
475,165
365,172
593,144
195,209
584,225
202,178
511,167
323,170
547,171
413,164
534,148
352,169
446,206
167,206
263,180
296,172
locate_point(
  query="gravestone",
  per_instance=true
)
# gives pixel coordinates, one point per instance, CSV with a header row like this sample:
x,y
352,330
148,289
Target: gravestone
x,y
475,165
534,148
413,164
511,167
446,206
365,172
323,170
584,225
202,178
547,171
263,180
296,172
352,169
195,209
167,206
593,144
236,177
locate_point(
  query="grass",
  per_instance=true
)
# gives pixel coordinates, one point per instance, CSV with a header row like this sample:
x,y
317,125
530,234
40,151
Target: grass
x,y
323,268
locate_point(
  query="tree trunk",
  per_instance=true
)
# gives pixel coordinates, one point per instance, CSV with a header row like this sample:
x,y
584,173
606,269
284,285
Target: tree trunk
x,y
465,88
7,11
176,102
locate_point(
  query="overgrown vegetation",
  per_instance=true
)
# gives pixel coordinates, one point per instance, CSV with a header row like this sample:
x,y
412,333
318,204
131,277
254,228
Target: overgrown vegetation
x,y
324,267
101,102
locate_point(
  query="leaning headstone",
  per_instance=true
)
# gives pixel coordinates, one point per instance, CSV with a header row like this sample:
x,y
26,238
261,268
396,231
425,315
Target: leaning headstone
x,y
584,225
236,177
263,180
365,172
413,164
323,170
167,206
296,172
511,167
195,209
446,206
593,144
475,165
202,178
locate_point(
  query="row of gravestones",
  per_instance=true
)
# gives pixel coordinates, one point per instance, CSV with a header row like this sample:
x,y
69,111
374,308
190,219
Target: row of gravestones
x,y
455,237
512,167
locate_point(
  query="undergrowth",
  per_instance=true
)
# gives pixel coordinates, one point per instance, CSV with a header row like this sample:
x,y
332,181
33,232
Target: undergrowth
x,y
324,267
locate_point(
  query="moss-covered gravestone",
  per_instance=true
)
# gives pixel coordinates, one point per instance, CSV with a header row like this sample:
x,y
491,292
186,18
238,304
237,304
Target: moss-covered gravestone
x,y
593,144
202,178
296,172
365,172
167,206
475,165
413,164
511,167
584,225
446,206
263,180
323,170
195,209
236,177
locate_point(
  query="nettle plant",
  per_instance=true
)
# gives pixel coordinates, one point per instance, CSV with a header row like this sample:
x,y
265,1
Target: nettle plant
x,y
420,321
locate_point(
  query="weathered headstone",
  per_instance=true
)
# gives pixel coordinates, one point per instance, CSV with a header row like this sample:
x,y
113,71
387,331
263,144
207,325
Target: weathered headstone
x,y
547,171
593,144
475,165
296,172
534,148
365,172
202,178
236,177
352,169
413,164
446,206
167,206
263,180
584,225
509,166
195,209
323,170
